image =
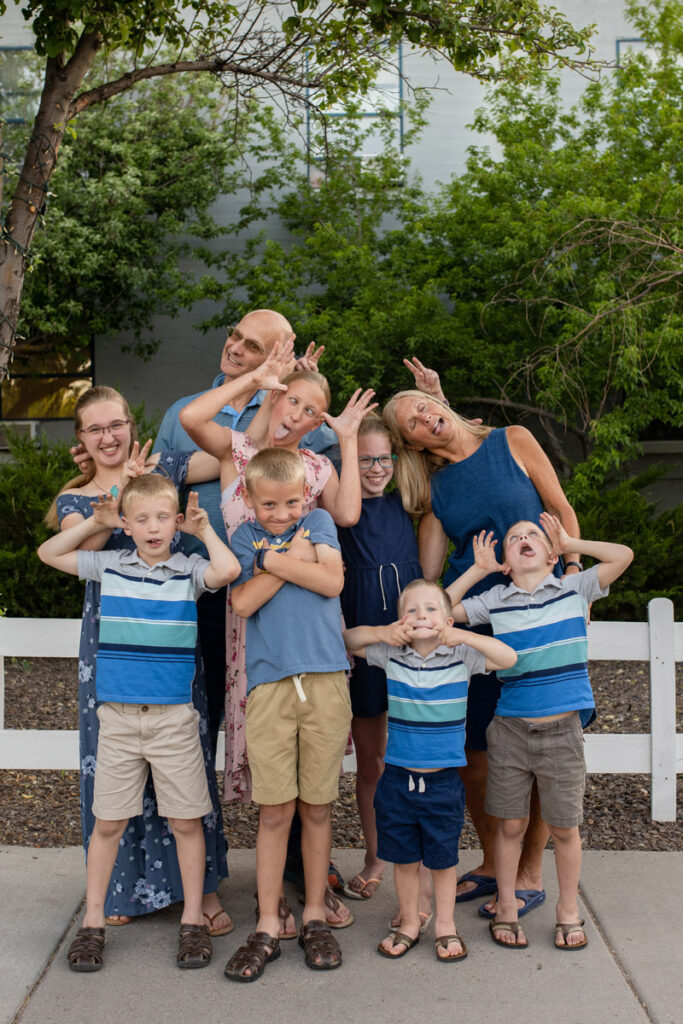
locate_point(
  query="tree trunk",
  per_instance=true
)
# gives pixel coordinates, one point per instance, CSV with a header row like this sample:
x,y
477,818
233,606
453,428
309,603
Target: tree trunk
x,y
30,195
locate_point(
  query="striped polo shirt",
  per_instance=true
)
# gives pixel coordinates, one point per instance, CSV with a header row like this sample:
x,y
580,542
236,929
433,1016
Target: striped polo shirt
x,y
148,625
547,629
427,703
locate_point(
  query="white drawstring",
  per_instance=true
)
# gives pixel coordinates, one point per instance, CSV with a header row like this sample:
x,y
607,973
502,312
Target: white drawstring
x,y
420,784
381,584
299,688
411,783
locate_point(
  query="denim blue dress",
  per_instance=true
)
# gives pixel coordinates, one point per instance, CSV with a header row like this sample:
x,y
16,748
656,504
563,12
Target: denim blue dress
x,y
146,875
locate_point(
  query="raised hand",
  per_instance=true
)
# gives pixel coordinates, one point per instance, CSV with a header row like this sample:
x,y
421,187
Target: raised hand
x,y
347,423
196,519
277,364
105,511
556,533
309,360
135,463
483,545
425,379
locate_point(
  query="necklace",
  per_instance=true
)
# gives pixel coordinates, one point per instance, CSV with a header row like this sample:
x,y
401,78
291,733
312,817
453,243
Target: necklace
x,y
113,490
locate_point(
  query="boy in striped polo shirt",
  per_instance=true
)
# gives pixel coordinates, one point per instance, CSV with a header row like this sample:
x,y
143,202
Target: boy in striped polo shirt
x,y
545,700
145,668
419,802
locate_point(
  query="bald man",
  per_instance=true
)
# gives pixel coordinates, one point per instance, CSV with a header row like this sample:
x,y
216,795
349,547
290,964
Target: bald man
x,y
246,346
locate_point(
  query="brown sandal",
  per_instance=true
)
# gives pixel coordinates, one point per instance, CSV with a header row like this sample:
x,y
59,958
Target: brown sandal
x,y
565,930
333,903
320,947
86,950
441,942
212,917
283,912
252,956
194,946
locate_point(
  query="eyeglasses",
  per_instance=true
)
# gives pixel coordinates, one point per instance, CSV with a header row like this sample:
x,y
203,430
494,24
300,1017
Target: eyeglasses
x,y
115,427
234,334
368,461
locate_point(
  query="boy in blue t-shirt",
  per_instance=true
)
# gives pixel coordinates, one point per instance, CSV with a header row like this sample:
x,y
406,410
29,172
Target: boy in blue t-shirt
x,y
419,801
546,696
145,668
298,708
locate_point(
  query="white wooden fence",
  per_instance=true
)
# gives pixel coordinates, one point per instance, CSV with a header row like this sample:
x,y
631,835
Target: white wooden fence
x,y
658,753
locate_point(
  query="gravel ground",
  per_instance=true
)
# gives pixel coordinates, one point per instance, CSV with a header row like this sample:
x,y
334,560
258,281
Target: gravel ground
x,y
41,808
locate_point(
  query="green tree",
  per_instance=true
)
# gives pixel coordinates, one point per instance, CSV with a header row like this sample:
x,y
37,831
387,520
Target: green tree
x,y
300,51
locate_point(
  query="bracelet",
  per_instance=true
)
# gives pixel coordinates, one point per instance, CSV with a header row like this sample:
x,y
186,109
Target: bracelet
x,y
577,565
258,561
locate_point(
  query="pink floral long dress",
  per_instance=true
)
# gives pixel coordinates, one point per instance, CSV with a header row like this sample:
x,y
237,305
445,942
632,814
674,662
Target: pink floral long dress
x,y
237,779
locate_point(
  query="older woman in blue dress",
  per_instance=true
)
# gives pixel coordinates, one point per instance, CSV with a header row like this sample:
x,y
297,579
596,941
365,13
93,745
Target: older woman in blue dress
x,y
460,478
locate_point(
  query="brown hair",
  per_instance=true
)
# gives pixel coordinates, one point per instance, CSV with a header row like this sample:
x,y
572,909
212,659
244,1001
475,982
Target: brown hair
x,y
433,585
414,469
90,397
276,465
148,485
373,424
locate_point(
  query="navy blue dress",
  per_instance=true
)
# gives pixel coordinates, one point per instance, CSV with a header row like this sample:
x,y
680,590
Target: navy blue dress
x,y
380,558
487,491
146,875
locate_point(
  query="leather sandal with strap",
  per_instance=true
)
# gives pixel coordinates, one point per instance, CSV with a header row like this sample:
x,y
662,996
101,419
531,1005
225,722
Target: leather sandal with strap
x,y
284,912
194,946
321,949
260,949
86,950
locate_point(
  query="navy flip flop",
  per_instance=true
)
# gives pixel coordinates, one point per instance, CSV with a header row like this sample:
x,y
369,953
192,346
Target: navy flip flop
x,y
485,885
532,898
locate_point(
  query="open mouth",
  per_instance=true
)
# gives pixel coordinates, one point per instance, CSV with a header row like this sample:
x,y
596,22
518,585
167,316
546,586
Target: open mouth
x,y
526,549
438,427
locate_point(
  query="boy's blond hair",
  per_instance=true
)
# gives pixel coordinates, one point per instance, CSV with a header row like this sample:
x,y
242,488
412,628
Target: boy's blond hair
x,y
276,465
432,584
149,485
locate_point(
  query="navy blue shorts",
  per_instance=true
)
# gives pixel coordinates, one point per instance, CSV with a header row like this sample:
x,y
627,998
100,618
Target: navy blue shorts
x,y
419,826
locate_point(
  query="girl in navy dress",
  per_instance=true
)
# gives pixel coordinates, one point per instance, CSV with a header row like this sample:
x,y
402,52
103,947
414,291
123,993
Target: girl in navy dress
x,y
380,558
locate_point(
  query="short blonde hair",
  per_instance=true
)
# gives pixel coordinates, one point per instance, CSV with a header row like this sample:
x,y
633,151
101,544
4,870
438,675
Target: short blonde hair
x,y
149,485
433,585
276,465
414,469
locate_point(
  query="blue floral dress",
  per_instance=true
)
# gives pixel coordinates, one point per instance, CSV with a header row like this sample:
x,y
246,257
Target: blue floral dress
x,y
146,875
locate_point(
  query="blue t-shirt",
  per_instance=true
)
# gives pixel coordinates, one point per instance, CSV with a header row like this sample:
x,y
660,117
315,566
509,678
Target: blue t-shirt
x,y
297,630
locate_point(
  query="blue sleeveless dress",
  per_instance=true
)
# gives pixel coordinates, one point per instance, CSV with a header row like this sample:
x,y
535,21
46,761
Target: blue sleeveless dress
x,y
146,875
487,491
380,558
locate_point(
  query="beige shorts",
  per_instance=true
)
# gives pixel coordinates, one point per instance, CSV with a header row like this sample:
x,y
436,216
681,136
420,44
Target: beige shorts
x,y
550,752
295,747
135,738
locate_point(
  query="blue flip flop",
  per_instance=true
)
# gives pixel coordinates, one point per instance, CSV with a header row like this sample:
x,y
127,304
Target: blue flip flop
x,y
485,885
532,898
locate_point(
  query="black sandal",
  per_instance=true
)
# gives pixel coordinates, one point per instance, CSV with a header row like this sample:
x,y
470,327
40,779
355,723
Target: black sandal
x,y
253,956
320,947
86,951
194,946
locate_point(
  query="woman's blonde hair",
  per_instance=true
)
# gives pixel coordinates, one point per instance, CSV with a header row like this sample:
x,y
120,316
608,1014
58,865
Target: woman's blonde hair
x,y
90,397
414,469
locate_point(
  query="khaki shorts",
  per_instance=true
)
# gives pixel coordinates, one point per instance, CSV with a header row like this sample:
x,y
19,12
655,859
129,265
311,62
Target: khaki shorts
x,y
295,747
550,752
136,737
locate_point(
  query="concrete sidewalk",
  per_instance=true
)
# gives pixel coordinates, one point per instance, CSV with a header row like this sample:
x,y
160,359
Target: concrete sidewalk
x,y
631,972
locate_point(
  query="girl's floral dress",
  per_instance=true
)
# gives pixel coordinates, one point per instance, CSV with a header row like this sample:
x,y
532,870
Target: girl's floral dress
x,y
237,781
146,875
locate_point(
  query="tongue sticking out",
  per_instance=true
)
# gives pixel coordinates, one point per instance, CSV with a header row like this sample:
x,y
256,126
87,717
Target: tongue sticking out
x,y
281,432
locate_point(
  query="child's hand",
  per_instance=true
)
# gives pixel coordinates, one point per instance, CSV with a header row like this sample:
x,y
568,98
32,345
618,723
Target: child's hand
x,y
277,364
556,533
196,519
105,511
485,559
451,636
347,423
309,360
301,547
80,456
396,634
425,380
135,464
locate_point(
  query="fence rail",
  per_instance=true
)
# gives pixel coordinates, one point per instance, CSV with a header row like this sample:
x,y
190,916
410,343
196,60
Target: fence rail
x,y
658,753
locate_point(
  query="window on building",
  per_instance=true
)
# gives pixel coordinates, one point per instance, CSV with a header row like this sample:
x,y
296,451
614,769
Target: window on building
x,y
45,386
384,98
19,85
